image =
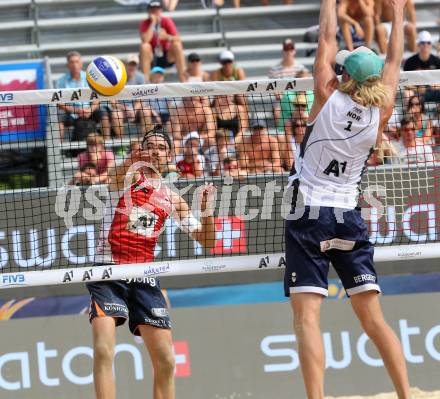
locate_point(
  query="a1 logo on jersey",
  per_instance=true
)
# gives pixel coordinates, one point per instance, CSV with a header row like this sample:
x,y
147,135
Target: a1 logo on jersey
x,y
332,167
142,221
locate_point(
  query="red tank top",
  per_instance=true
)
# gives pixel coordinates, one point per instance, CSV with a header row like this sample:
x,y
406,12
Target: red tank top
x,y
132,225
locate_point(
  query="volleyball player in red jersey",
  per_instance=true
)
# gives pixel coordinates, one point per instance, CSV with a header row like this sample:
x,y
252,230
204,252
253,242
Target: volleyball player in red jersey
x,y
136,211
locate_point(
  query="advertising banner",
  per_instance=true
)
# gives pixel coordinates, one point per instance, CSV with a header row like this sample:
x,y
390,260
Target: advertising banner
x,y
59,227
235,351
21,122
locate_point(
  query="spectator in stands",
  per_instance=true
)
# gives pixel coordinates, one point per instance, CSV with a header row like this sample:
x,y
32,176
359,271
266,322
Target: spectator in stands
x,y
191,163
194,71
216,154
259,152
86,176
232,168
161,44
82,116
229,114
228,69
416,109
159,108
423,59
134,75
135,146
383,14
293,105
97,155
192,114
290,141
411,149
358,14
386,153
288,67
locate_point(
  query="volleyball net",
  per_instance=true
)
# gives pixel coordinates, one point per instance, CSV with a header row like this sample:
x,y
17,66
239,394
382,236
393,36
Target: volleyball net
x,y
58,148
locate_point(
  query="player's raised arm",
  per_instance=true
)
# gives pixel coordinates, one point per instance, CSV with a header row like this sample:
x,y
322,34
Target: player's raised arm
x,y
391,70
323,73
202,231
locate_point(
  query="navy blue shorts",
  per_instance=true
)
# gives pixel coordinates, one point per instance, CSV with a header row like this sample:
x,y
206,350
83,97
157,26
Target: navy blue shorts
x,y
140,302
323,235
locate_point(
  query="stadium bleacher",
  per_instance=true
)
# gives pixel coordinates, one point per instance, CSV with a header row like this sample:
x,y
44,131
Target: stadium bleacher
x,y
50,28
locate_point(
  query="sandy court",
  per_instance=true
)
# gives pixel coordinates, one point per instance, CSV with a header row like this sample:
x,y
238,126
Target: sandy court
x,y
416,394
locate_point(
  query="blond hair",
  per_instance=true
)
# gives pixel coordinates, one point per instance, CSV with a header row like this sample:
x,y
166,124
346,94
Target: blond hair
x,y
370,93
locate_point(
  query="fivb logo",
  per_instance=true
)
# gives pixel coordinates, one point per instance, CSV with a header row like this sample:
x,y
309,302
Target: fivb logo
x,y
13,279
6,97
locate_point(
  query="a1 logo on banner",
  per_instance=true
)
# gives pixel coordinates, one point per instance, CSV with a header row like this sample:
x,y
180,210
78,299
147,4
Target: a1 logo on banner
x,y
230,235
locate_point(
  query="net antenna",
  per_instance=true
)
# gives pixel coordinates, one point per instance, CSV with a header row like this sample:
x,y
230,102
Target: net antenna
x,y
50,230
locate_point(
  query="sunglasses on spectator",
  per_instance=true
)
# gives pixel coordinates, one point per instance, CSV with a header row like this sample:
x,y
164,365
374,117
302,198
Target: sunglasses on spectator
x,y
195,60
225,62
425,43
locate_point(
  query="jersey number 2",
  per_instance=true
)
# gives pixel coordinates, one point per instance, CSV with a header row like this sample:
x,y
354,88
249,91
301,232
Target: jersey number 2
x,y
348,127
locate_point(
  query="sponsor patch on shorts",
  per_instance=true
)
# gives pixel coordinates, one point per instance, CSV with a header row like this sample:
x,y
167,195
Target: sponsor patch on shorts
x,y
337,243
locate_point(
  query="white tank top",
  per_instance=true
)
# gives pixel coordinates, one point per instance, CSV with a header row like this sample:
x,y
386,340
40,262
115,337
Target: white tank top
x,y
334,152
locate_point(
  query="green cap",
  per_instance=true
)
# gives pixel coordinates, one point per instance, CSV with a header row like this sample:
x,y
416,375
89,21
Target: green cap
x,y
361,64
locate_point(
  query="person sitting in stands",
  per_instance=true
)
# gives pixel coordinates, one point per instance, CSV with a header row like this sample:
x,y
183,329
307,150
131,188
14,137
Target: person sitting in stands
x,y
194,71
229,115
259,152
97,155
191,163
86,176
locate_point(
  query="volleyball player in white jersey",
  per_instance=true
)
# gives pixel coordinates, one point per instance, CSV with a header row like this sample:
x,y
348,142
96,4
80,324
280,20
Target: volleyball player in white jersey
x,y
325,225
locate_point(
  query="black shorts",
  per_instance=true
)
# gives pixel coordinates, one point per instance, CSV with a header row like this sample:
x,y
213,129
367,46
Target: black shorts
x,y
140,301
162,61
323,235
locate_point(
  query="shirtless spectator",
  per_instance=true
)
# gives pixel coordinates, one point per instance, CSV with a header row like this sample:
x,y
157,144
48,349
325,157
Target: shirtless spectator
x,y
194,71
86,176
358,14
97,155
191,163
259,152
192,114
383,14
161,43
288,67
